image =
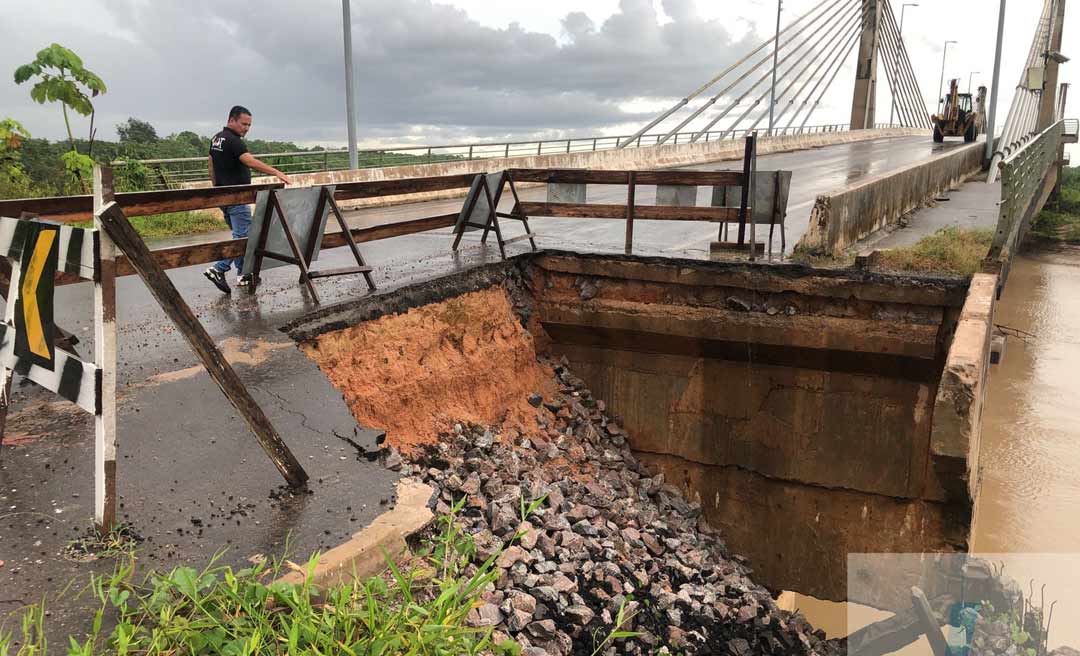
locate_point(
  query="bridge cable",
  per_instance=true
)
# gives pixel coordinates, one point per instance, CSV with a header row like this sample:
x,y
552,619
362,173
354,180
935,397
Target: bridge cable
x,y
908,80
735,126
765,60
904,98
1018,124
918,99
853,24
836,71
818,73
685,101
766,77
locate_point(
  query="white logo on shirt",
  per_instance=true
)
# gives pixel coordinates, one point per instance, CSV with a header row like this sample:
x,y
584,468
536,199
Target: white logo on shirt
x,y
217,144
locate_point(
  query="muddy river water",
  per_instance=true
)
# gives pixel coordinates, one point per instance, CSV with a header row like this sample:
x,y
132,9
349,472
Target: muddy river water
x,y
1028,516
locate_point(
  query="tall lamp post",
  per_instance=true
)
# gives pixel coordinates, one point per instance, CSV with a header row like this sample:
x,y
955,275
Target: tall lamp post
x,y
973,74
350,100
892,110
941,85
776,55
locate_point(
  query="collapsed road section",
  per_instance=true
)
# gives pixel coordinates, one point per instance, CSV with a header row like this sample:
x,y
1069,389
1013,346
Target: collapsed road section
x,y
804,414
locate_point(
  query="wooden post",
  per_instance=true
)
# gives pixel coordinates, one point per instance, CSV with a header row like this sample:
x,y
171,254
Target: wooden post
x,y
751,189
105,359
747,173
631,192
929,623
123,234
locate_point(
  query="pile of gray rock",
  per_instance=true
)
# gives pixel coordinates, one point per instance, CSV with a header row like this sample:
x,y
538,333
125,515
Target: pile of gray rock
x,y
609,541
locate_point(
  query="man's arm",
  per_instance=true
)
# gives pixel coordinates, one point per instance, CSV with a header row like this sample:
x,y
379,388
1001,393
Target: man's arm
x,y
210,168
252,162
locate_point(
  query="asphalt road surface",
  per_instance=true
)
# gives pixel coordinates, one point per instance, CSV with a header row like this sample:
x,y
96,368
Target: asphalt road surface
x,y
191,478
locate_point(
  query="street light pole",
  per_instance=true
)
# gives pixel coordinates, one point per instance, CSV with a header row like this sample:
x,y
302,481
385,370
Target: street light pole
x,y
994,90
776,55
892,110
973,74
941,85
350,100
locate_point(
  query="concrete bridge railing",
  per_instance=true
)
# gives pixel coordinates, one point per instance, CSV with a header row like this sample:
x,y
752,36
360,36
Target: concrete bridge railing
x,y
842,218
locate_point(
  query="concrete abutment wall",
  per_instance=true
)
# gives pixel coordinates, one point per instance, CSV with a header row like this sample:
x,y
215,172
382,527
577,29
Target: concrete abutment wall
x,y
812,413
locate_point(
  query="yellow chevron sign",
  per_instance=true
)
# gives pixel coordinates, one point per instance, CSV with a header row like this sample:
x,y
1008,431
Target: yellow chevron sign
x,y
36,337
34,329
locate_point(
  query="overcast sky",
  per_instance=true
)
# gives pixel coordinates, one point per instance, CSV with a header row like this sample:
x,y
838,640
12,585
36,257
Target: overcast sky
x,y
449,70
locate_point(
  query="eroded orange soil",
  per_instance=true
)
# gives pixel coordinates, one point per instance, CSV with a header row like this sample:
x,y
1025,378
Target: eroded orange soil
x,y
466,359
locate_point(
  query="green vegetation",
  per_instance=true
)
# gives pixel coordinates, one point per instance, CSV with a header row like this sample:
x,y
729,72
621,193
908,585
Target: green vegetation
x,y
61,77
175,224
949,250
1060,221
419,607
415,609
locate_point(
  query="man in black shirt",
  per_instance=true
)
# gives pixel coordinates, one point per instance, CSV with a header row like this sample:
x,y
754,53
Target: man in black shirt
x,y
230,164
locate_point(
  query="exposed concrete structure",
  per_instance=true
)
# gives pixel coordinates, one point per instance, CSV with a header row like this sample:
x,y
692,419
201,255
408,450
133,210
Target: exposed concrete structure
x,y
366,553
811,416
841,218
864,101
812,413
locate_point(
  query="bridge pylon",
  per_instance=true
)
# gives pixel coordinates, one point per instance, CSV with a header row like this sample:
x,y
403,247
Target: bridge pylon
x,y
1052,58
864,101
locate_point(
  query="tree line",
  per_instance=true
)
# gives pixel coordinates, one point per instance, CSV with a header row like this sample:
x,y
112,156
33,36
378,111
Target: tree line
x,y
33,167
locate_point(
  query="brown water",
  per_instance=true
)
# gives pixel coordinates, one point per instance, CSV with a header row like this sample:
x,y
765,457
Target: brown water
x,y
1028,516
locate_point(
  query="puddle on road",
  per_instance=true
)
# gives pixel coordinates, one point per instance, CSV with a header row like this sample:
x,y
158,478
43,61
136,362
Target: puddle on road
x,y
235,349
1029,454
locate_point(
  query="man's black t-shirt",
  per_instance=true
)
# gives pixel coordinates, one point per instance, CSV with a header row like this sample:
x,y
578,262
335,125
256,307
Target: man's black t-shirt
x,y
225,150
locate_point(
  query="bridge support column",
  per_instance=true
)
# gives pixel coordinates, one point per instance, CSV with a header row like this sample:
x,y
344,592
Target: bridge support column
x,y
863,103
1049,104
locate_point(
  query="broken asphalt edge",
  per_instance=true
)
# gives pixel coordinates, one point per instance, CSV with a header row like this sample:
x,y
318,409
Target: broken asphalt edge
x,y
366,553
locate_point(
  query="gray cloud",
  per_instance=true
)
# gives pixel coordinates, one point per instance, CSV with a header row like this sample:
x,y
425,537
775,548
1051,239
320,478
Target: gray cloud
x,y
423,69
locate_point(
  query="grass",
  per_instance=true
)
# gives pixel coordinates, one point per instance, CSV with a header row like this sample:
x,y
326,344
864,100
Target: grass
x,y
120,541
419,607
949,250
802,255
175,224
1060,221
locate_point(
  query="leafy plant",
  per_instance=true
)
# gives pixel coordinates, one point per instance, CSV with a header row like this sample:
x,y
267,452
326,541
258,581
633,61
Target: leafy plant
x,y
14,182
418,607
61,77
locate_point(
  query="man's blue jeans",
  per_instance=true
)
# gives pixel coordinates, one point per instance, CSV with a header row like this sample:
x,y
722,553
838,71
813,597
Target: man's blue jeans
x,y
239,219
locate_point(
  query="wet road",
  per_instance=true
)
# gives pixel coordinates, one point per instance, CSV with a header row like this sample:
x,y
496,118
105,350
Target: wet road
x,y
815,172
192,480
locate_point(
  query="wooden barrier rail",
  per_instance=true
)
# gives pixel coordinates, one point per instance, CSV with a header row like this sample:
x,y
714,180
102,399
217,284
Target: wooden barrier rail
x,y
588,176
74,209
678,210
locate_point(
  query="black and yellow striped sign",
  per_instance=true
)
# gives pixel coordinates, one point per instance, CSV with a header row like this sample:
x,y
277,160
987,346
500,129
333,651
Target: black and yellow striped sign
x,y
34,328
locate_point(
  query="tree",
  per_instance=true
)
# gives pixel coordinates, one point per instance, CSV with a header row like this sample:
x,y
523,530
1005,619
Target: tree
x,y
191,140
134,131
14,182
63,78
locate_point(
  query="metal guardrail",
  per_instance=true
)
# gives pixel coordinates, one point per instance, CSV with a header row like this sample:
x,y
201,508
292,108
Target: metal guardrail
x,y
173,173
1021,175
